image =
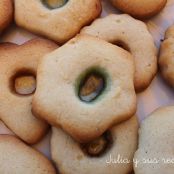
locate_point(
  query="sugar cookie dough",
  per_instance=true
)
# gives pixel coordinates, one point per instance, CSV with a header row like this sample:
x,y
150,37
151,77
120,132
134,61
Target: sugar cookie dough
x,y
6,13
71,158
63,75
140,8
58,20
132,35
156,139
18,158
18,65
166,61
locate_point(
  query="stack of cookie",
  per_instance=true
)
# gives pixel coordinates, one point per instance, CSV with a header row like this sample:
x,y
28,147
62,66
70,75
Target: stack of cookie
x,y
85,88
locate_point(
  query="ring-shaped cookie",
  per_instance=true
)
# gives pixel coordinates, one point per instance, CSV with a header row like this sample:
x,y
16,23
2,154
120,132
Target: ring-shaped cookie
x,y
133,35
18,158
139,8
6,13
56,98
156,139
71,159
59,24
15,109
166,61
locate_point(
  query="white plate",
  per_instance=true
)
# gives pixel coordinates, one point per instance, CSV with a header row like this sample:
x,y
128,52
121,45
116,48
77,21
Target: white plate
x,y
158,94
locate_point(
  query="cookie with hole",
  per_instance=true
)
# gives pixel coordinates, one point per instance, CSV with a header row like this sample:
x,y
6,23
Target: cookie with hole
x,y
133,35
6,13
155,149
85,86
166,62
18,65
18,158
111,153
59,20
139,8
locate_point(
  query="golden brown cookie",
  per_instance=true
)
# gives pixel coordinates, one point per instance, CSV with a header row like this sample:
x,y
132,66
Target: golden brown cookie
x,y
106,73
101,156
132,35
18,158
166,61
6,13
18,65
141,9
58,20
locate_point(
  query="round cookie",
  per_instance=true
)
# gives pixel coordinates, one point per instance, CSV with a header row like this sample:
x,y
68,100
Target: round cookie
x,y
6,13
166,61
156,141
80,64
18,66
139,8
58,20
133,35
18,158
122,143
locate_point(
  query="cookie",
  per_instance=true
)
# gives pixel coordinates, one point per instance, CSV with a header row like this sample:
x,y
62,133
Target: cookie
x,y
6,13
155,151
18,158
85,87
58,20
139,8
97,156
166,62
18,66
132,35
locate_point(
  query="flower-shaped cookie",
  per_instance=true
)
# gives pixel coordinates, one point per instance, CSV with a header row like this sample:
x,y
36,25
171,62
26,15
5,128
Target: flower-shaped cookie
x,y
58,20
18,65
86,86
98,156
132,35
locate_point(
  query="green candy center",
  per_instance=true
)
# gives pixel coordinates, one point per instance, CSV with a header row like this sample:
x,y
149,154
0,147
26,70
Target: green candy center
x,y
53,4
91,84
